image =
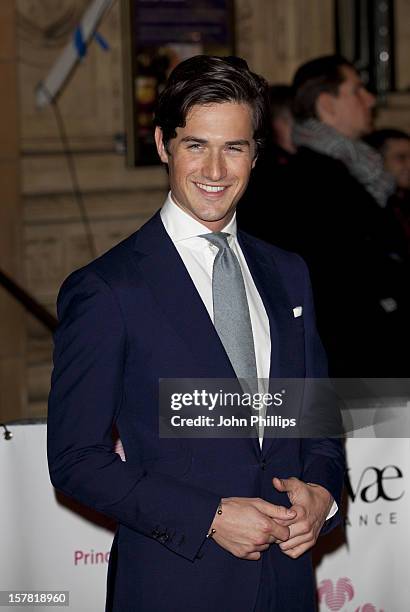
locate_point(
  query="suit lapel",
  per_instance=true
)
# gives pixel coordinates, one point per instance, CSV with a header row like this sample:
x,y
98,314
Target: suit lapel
x,y
286,360
175,293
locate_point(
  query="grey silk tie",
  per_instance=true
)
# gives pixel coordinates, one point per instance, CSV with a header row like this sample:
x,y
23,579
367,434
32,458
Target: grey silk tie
x,y
231,311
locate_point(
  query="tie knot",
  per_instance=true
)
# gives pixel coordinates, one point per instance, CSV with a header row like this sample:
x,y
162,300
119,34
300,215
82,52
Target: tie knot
x,y
218,239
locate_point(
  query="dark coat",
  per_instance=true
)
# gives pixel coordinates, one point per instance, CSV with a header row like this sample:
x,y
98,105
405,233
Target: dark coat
x,y
360,279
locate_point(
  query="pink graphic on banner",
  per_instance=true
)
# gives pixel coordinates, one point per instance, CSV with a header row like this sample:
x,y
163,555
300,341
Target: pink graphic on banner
x,y
336,598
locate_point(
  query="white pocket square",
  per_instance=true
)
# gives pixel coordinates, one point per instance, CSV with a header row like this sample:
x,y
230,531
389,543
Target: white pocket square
x,y
297,312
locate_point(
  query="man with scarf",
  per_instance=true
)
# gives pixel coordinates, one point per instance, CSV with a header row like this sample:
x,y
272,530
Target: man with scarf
x,y
331,210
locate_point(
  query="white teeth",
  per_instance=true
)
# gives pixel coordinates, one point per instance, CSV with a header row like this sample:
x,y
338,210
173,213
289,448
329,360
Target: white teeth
x,y
210,188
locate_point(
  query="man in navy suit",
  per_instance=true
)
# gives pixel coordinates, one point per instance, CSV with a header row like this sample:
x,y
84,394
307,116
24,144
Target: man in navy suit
x,y
204,524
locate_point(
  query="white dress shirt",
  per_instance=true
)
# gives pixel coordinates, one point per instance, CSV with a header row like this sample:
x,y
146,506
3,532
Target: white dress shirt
x,y
198,256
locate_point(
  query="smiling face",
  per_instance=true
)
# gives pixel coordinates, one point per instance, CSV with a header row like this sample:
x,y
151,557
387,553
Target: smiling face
x,y
210,161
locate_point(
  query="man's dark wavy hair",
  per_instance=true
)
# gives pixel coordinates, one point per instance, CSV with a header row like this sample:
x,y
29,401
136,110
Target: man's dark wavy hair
x,y
205,79
322,74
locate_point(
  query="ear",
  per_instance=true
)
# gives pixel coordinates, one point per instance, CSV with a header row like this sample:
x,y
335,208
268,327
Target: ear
x,y
162,152
325,106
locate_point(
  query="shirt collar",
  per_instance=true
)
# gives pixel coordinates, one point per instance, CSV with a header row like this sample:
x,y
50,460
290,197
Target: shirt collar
x,y
181,226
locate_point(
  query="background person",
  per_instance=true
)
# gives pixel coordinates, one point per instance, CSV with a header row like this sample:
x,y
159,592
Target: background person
x,y
394,146
273,167
333,213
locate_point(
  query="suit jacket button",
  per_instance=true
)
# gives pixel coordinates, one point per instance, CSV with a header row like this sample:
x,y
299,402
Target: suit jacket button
x,y
263,465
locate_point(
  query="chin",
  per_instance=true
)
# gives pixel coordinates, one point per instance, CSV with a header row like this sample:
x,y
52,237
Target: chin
x,y
215,214
214,218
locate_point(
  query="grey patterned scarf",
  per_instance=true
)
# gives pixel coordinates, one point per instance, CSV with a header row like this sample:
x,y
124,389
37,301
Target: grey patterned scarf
x,y
363,162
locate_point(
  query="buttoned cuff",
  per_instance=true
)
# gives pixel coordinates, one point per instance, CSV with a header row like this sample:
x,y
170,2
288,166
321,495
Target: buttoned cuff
x,y
332,510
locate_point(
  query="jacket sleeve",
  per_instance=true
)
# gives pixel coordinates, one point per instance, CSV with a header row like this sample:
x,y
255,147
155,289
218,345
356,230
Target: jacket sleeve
x,y
84,402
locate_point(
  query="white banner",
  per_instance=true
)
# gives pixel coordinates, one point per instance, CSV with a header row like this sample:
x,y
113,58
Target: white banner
x,y
45,545
370,571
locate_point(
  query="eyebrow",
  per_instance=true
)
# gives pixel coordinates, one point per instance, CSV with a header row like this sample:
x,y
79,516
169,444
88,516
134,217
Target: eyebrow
x,y
193,139
239,142
242,142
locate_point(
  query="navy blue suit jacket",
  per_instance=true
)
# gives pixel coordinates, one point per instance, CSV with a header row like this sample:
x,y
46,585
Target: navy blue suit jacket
x,y
127,319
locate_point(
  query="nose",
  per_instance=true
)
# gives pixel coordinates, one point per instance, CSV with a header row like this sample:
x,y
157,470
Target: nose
x,y
214,167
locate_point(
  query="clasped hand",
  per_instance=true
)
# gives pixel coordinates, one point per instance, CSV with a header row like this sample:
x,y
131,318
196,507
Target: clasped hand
x,y
248,526
312,504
